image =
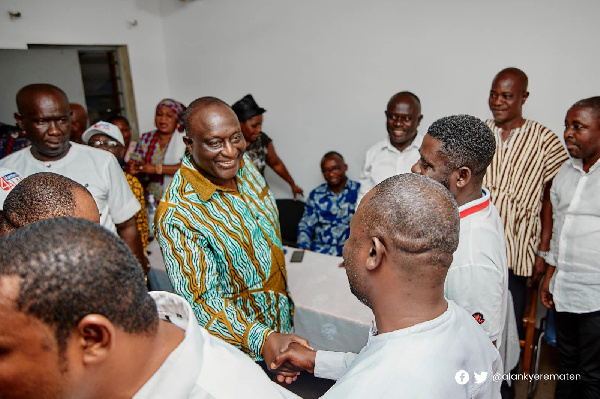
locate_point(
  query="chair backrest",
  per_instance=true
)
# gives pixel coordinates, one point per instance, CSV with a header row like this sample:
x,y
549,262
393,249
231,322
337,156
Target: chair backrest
x,y
290,213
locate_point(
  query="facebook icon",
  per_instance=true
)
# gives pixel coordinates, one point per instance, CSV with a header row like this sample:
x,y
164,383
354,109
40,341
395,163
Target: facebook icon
x,y
461,377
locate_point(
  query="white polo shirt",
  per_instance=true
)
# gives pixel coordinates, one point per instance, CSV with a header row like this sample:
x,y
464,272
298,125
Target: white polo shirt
x,y
203,366
478,276
383,160
575,244
95,169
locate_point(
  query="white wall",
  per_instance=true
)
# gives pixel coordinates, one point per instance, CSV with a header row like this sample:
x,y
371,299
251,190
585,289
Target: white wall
x,y
98,22
324,69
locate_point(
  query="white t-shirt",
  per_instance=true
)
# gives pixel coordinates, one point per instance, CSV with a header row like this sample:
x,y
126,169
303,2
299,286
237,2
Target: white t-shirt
x,y
95,169
478,277
383,160
203,366
8,180
434,359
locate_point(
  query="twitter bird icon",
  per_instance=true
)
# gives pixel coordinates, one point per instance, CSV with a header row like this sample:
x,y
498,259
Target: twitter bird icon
x,y
480,378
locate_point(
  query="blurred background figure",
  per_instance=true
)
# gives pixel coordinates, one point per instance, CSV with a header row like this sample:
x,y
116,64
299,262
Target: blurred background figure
x,y
79,122
158,154
259,146
123,124
108,137
12,139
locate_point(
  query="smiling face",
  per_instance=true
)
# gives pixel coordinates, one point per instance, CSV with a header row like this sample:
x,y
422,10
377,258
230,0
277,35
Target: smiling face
x,y
403,116
45,116
252,127
216,142
165,120
334,172
31,365
582,135
507,96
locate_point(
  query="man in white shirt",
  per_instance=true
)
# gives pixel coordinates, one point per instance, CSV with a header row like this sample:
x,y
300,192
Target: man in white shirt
x,y
401,242
572,282
456,152
400,150
43,113
77,321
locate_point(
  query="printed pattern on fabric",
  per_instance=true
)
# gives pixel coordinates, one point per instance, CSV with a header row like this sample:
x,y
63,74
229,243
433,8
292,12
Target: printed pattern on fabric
x,y
521,166
141,217
325,225
223,254
144,146
257,151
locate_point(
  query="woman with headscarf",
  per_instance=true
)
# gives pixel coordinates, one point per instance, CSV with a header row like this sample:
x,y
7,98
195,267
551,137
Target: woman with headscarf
x,y
259,146
158,154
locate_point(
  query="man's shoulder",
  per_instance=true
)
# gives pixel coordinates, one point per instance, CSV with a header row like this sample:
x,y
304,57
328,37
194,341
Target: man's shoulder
x,y
378,146
17,157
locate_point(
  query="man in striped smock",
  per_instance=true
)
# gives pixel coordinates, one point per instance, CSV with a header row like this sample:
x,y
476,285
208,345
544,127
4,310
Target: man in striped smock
x,y
218,229
528,156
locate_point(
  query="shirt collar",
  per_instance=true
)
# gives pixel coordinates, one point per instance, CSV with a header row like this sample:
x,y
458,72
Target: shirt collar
x,y
475,206
416,143
578,164
201,185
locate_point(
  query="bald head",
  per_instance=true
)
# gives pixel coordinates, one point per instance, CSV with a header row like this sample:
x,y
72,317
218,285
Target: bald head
x,y
44,196
406,96
201,107
79,122
515,74
27,94
414,215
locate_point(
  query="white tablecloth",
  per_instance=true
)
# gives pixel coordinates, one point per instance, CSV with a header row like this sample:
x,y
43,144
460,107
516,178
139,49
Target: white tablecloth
x,y
326,313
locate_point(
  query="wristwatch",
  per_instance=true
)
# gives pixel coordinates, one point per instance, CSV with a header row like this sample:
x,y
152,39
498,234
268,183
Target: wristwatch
x,y
543,254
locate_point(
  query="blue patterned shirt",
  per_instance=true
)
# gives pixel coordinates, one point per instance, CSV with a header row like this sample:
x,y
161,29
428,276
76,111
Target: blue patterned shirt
x,y
222,250
325,225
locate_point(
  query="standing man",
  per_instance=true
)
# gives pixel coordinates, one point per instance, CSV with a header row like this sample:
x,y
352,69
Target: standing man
x,y
43,113
79,122
325,225
456,152
527,157
572,283
400,150
218,229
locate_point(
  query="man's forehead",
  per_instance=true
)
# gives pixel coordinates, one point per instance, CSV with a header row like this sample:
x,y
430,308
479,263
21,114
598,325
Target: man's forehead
x,y
43,100
9,291
508,78
405,103
212,118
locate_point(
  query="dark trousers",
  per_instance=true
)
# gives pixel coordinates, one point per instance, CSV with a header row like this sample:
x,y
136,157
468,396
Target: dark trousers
x,y
517,285
578,339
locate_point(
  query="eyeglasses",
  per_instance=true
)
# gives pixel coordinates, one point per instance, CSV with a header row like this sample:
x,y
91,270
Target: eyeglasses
x,y
105,144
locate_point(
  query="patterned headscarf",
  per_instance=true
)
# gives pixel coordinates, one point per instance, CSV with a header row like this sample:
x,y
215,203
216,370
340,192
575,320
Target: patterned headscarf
x,y
176,107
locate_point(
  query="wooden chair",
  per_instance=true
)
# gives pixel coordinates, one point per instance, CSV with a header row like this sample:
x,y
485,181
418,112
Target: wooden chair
x,y
529,343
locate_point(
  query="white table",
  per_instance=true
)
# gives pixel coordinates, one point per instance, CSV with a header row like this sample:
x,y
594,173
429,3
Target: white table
x,y
326,312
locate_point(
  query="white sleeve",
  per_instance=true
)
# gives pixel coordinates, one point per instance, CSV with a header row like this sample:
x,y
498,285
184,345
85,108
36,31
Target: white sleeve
x,y
332,365
552,258
366,181
122,204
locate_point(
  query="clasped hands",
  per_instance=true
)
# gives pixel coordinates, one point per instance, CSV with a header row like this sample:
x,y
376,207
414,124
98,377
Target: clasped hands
x,y
287,355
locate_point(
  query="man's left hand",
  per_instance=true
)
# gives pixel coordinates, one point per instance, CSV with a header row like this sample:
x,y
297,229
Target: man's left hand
x,y
274,345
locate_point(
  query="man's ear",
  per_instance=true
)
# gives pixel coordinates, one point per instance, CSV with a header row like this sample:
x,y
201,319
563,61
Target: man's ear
x,y
464,176
188,143
95,336
525,96
376,253
19,119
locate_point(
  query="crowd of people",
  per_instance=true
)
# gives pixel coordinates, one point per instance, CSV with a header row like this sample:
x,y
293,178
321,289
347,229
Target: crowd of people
x,y
440,238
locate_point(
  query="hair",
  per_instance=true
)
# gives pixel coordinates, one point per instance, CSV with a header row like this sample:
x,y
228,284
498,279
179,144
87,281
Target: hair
x,y
197,105
403,94
69,268
466,141
414,214
519,74
332,154
24,94
39,196
114,118
593,103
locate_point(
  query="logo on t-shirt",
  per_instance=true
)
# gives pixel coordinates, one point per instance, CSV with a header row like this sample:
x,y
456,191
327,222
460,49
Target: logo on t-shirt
x,y
479,317
8,181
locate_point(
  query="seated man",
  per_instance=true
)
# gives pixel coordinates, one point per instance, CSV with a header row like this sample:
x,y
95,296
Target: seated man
x,y
108,137
572,282
218,229
325,225
76,321
401,242
43,196
456,152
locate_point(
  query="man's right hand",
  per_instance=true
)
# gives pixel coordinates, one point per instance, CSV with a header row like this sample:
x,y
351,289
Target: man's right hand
x,y
545,295
298,356
273,346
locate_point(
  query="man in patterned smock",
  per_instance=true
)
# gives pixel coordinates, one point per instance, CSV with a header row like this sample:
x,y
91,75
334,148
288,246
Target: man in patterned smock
x,y
325,225
218,229
528,156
